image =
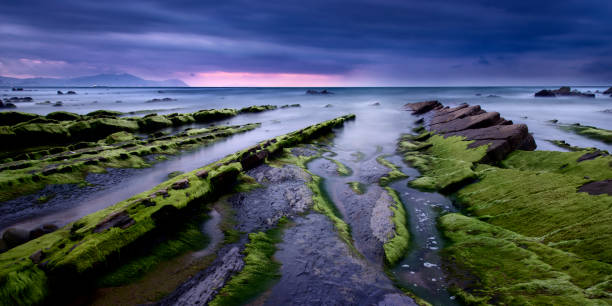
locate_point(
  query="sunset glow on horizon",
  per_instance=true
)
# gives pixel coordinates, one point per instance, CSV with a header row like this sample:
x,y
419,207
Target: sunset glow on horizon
x,y
254,79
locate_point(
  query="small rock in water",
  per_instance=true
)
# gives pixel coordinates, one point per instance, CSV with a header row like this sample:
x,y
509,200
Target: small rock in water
x,y
405,266
433,279
429,265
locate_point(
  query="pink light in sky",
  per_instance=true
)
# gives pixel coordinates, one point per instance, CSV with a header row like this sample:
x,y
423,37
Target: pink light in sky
x,y
253,79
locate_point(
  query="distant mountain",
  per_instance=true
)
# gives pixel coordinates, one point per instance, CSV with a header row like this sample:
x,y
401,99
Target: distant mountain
x,y
111,80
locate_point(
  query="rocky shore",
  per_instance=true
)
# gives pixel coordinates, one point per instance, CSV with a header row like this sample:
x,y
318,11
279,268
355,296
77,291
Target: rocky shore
x,y
534,224
77,251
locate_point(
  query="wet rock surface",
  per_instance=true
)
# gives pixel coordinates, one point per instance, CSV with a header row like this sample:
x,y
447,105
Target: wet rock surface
x,y
319,269
366,215
203,287
419,108
370,171
119,219
284,193
474,123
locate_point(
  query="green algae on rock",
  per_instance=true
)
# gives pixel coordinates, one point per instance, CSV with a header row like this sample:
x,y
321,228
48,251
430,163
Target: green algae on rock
x,y
589,131
357,187
79,250
489,264
445,163
119,150
21,130
534,238
393,175
397,246
260,269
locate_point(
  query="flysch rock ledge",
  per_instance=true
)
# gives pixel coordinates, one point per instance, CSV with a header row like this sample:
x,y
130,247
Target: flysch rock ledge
x,y
474,123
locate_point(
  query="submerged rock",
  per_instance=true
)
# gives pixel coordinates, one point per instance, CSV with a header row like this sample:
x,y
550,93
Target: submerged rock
x,y
285,193
319,268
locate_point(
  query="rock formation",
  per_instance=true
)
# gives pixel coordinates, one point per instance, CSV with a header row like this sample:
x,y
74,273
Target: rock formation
x,y
473,123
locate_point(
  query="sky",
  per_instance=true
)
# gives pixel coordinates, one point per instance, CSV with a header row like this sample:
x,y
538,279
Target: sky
x,y
313,43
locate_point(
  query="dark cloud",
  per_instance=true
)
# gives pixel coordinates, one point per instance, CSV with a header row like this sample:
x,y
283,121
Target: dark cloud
x,y
382,39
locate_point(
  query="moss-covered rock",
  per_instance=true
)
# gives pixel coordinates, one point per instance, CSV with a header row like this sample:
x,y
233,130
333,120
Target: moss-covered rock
x,y
397,247
445,163
214,114
63,116
541,237
78,249
150,123
590,132
97,128
119,137
104,113
492,265
41,133
12,118
257,108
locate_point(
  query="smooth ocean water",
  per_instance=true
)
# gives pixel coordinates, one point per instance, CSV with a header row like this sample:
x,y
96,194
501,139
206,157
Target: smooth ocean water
x,y
514,103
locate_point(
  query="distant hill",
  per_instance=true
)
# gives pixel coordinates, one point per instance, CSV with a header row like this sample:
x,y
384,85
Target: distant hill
x,y
112,80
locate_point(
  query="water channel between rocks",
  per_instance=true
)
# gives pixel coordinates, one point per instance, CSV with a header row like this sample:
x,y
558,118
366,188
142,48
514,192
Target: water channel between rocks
x,y
421,270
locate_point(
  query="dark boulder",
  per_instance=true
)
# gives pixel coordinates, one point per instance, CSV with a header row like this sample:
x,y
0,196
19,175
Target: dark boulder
x,y
17,89
419,108
7,105
120,219
596,188
545,93
59,92
563,91
315,92
70,92
15,236
591,155
20,99
608,91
